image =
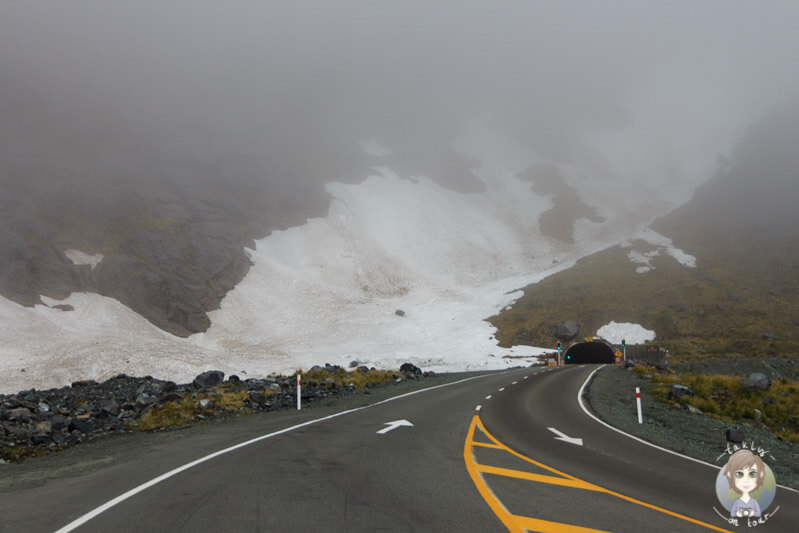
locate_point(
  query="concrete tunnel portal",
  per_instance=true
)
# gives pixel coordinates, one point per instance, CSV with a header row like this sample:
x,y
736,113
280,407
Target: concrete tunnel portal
x,y
589,352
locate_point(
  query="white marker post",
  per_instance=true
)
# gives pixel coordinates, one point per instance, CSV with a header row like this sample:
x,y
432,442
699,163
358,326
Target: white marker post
x,y
299,394
638,403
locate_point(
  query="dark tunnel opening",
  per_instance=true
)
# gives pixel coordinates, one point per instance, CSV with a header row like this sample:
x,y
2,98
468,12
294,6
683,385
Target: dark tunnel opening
x,y
589,352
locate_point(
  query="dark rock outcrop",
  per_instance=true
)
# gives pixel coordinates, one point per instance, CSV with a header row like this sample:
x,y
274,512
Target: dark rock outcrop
x,y
566,330
755,382
209,379
676,392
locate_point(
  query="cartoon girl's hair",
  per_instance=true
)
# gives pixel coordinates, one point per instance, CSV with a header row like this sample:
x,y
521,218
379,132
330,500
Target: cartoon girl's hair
x,y
740,460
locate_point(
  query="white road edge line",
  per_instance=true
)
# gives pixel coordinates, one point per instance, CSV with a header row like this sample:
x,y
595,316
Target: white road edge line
x,y
144,486
617,430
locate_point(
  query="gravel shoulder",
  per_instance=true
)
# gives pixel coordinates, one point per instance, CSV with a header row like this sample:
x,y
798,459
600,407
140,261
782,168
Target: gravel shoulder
x,y
611,396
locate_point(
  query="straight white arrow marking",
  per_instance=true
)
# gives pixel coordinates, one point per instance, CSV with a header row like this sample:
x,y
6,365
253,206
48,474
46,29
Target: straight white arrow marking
x,y
394,425
562,436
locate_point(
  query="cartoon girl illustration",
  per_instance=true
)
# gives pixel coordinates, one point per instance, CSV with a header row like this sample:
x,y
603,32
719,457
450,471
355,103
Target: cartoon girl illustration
x,y
745,473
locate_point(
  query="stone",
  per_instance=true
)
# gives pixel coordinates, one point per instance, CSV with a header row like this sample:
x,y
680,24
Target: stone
x,y
768,337
19,413
39,439
205,403
209,379
410,369
693,410
567,330
735,436
44,426
83,426
171,397
58,438
146,400
676,392
109,405
58,422
755,382
399,312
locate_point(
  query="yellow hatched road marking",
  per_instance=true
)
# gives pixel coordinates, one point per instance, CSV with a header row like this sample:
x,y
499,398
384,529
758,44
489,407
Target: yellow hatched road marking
x,y
552,480
516,523
487,445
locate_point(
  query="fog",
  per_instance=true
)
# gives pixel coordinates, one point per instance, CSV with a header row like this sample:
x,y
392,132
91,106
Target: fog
x,y
647,92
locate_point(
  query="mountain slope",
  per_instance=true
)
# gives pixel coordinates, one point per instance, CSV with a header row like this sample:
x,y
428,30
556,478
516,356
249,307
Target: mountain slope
x,y
742,297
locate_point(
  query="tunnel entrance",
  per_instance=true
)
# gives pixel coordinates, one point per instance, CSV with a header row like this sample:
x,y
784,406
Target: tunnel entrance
x,y
589,352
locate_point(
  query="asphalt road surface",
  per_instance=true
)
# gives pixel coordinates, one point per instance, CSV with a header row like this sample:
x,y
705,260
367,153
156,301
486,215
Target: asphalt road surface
x,y
478,457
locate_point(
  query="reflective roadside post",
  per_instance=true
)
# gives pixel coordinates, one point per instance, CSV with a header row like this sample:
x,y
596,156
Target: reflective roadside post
x,y
638,404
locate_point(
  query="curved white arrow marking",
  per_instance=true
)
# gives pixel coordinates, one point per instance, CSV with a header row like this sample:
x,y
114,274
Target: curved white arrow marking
x,y
562,436
394,425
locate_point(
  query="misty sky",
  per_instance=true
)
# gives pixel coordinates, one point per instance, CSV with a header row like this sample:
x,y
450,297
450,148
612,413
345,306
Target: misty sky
x,y
609,86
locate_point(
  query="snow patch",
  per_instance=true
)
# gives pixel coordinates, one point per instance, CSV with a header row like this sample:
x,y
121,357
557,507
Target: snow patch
x,y
632,333
82,258
661,244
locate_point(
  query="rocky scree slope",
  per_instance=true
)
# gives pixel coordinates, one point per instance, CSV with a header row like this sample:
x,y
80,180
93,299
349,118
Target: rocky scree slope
x,y
33,422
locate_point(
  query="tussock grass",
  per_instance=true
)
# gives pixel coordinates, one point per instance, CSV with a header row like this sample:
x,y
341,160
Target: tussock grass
x,y
342,377
183,412
723,397
232,398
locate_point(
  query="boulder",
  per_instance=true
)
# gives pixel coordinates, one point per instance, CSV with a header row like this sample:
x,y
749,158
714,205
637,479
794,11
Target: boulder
x,y
209,379
735,436
410,369
567,330
678,391
81,425
755,382
693,410
22,414
109,405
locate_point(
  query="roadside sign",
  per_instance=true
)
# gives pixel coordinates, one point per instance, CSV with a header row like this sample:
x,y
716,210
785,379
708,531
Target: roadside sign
x,y
618,355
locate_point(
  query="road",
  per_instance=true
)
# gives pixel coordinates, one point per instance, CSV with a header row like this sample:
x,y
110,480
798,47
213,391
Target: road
x,y
478,457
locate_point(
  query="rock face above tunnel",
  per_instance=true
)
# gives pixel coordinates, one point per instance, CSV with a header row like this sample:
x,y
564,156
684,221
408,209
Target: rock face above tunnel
x,y
567,330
